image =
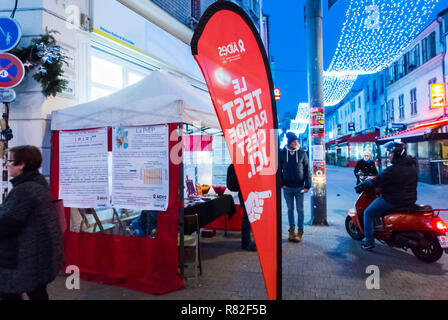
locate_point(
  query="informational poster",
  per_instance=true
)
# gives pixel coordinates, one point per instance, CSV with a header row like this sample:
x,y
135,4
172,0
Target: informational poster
x,y
317,122
231,55
83,177
318,152
140,168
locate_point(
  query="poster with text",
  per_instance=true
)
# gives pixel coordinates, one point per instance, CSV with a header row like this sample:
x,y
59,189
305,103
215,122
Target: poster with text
x,y
140,168
83,177
232,58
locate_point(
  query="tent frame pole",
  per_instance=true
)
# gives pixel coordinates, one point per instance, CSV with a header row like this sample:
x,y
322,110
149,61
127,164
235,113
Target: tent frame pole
x,y
181,200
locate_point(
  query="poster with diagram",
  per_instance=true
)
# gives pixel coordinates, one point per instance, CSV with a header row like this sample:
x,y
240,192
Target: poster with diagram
x,y
83,174
140,168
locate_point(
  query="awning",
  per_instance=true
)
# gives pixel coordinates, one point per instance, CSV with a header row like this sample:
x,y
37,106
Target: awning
x,y
368,137
418,132
338,140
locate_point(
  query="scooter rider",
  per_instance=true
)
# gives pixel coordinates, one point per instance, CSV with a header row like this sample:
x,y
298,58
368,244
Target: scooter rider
x,y
399,188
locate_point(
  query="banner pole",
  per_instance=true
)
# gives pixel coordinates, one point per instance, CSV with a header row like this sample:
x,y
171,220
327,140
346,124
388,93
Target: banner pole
x,y
279,221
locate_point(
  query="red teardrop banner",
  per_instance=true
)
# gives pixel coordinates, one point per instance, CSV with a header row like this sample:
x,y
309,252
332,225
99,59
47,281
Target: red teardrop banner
x,y
232,58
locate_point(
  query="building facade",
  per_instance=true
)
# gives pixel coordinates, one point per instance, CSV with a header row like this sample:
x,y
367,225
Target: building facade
x,y
396,104
108,47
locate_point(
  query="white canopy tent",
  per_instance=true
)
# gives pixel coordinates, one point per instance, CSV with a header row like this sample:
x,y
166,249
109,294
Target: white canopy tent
x,y
157,99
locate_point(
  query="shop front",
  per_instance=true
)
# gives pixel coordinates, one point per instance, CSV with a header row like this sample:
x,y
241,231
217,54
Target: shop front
x,y
347,150
428,143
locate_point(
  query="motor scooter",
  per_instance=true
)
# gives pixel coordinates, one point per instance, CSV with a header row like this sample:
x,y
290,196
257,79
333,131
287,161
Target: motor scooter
x,y
417,227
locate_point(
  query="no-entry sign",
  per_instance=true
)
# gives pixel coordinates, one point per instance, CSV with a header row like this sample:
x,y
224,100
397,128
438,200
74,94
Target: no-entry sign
x,y
11,70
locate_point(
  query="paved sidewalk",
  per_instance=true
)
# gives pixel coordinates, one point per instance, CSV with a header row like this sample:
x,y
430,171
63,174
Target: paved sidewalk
x,y
328,264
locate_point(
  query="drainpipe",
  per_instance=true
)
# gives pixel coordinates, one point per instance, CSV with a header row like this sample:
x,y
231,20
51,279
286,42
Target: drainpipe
x,y
160,18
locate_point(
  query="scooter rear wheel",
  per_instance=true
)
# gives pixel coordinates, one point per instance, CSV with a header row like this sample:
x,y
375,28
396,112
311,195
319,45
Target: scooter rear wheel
x,y
352,229
431,252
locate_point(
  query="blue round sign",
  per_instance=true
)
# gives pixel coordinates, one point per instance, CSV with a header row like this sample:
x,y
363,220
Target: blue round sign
x,y
10,34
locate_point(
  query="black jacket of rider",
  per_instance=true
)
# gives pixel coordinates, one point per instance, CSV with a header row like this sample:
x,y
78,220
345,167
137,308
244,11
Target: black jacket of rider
x,y
398,182
368,168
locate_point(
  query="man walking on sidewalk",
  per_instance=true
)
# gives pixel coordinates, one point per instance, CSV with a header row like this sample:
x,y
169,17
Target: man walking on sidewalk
x,y
296,182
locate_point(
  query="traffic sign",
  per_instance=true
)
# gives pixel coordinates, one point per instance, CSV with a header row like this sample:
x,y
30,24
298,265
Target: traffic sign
x,y
12,70
10,34
7,95
400,126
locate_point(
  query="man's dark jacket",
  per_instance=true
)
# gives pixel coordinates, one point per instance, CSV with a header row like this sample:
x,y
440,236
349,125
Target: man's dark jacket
x,y
367,167
399,182
294,168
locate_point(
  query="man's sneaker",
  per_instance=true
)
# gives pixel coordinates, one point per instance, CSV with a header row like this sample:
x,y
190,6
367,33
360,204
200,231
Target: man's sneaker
x,y
367,247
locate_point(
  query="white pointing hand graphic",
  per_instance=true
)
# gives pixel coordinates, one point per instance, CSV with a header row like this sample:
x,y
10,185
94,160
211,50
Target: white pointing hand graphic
x,y
254,204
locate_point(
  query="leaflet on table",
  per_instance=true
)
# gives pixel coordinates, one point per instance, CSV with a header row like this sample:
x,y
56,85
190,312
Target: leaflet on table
x,y
140,166
83,175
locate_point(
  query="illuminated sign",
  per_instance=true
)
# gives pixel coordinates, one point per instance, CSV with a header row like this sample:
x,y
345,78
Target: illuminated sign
x,y
277,94
437,95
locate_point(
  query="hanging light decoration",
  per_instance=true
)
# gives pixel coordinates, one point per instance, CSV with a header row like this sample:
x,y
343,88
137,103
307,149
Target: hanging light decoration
x,y
374,34
300,123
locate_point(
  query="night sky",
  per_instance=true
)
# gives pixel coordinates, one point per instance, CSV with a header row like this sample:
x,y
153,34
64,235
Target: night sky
x,y
288,44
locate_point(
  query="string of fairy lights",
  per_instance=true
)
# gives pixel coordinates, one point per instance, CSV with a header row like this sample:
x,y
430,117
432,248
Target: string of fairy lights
x,y
375,33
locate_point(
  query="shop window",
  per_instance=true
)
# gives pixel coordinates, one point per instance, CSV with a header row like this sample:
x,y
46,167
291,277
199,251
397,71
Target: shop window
x,y
391,111
395,71
412,149
400,68
401,106
106,73
413,94
381,83
423,149
97,92
416,52
424,50
196,9
110,73
134,78
432,45
430,82
429,47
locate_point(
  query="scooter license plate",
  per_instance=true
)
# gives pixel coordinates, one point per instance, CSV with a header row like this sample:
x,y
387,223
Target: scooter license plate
x,y
443,241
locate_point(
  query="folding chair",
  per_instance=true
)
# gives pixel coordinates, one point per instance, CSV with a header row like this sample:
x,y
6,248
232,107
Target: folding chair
x,y
193,240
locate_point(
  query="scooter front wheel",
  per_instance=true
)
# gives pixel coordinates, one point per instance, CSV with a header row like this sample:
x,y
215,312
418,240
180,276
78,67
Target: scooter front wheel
x,y
352,229
430,252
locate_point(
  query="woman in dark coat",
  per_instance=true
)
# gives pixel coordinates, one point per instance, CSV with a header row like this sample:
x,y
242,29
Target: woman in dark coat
x,y
31,248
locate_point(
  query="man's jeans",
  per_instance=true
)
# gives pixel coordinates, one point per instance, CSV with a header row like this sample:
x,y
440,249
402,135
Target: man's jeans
x,y
376,209
291,194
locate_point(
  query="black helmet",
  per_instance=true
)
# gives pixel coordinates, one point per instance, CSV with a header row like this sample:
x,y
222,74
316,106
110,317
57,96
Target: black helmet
x,y
398,148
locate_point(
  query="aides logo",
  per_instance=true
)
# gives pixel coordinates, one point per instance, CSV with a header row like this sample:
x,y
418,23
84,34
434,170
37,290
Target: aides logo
x,y
159,197
232,50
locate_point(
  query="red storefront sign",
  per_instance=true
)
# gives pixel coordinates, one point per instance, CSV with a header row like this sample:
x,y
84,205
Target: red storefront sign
x,y
230,53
